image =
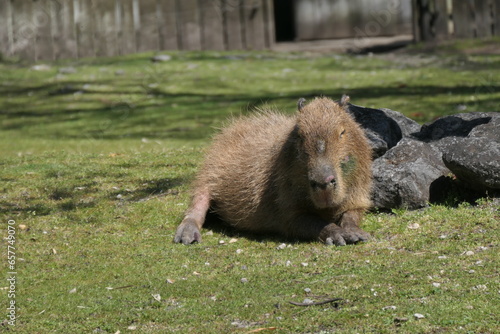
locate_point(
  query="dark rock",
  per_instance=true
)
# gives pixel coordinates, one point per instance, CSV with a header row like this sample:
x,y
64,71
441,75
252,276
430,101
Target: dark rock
x,y
384,127
404,175
475,159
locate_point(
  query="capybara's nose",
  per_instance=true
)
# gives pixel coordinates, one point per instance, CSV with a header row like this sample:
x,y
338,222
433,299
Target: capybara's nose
x,y
329,180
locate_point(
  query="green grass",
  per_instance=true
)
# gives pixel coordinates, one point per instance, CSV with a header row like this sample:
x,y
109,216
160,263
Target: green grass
x,y
96,164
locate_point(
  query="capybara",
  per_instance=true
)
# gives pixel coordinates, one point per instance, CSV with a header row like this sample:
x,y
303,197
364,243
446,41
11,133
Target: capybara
x,y
306,176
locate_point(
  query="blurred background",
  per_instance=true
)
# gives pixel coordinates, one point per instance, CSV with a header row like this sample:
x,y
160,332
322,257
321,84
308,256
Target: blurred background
x,y
55,29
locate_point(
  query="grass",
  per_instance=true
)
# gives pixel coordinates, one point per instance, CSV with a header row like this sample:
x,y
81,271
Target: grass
x,y
95,171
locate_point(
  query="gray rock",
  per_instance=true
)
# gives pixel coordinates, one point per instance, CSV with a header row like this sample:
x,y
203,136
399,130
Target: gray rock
x,y
475,159
384,127
404,175
160,58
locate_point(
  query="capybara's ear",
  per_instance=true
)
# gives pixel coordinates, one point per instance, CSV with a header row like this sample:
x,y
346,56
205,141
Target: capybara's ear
x,y
300,103
344,100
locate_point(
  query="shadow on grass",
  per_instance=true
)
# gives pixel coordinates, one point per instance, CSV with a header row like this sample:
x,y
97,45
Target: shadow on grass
x,y
450,192
156,188
214,223
192,116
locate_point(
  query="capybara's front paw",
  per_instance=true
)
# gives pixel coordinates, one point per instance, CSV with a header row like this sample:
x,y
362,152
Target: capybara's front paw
x,y
187,232
339,236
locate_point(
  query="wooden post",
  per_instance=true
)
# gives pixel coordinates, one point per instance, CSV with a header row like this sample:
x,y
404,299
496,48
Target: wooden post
x,y
105,36
127,28
496,15
483,19
62,30
270,37
441,20
191,33
232,21
41,21
212,26
167,24
254,23
24,31
464,18
417,36
6,37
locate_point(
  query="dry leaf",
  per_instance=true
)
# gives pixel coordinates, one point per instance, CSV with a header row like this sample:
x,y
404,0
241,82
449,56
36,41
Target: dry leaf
x,y
156,296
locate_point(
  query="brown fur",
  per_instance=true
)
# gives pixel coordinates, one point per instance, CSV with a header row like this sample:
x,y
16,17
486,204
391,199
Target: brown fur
x,y
307,176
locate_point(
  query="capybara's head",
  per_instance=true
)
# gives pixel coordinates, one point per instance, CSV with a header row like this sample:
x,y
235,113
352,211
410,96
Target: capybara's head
x,y
326,134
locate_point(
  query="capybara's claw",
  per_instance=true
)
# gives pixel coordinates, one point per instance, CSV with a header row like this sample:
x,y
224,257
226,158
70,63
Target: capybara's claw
x,y
354,235
344,236
187,233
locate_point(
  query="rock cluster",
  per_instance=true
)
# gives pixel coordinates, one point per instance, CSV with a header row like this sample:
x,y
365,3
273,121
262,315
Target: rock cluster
x,y
415,164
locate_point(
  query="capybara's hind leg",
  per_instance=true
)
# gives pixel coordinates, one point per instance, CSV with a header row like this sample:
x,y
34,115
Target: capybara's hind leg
x,y
188,231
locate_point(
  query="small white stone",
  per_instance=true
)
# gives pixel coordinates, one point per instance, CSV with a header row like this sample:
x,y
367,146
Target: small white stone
x,y
304,264
307,290
414,226
307,301
418,316
442,257
244,280
282,246
472,271
239,251
469,253
288,263
161,58
391,307
436,285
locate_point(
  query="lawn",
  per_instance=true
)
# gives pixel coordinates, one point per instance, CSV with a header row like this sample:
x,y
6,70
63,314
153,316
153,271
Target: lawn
x,y
96,160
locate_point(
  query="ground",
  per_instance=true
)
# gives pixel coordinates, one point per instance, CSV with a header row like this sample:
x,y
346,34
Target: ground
x,y
97,157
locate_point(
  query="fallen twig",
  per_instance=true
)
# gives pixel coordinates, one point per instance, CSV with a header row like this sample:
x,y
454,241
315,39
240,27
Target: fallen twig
x,y
317,303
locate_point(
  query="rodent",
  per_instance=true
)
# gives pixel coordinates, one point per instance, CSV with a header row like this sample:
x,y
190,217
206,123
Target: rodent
x,y
306,176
